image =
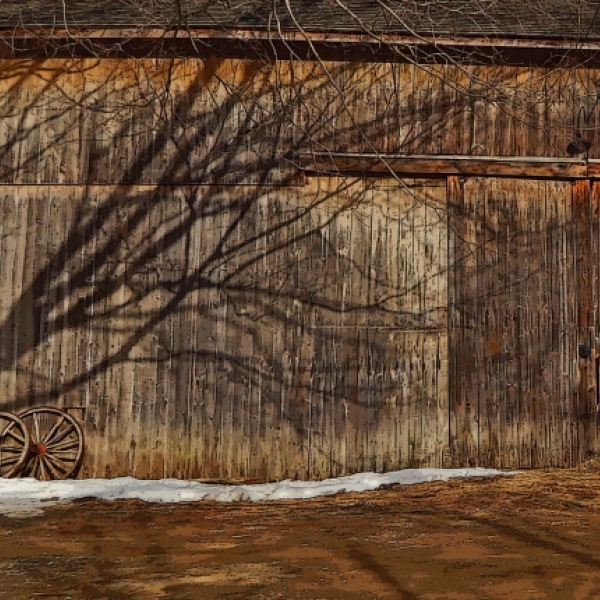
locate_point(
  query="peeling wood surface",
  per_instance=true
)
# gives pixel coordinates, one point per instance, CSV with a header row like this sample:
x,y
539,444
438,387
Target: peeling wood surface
x,y
328,351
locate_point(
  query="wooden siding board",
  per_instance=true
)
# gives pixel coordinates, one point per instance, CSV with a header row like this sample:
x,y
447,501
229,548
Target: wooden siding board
x,y
462,303
594,284
537,297
446,165
11,234
487,442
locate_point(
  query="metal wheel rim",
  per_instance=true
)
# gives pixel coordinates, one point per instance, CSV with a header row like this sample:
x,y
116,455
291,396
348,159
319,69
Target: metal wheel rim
x,y
15,422
54,454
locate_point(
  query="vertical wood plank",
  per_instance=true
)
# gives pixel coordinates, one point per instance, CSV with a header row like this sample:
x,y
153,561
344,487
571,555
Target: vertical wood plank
x,y
462,303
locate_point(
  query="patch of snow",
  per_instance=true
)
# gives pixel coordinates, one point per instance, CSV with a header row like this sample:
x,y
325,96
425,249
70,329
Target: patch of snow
x,y
24,497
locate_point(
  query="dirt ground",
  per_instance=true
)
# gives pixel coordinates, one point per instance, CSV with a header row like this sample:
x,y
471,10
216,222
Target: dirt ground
x,y
535,535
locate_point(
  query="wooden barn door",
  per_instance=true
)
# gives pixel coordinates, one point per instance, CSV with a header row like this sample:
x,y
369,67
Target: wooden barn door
x,y
523,307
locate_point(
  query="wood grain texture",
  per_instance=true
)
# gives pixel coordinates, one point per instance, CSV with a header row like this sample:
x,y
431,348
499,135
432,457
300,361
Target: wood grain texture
x,y
232,332
139,121
443,165
513,325
164,268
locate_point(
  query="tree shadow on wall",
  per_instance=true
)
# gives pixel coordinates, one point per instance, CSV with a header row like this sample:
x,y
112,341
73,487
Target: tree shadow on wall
x,y
210,288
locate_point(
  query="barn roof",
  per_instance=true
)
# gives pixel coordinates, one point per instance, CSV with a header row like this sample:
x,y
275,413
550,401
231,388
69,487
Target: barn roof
x,y
548,19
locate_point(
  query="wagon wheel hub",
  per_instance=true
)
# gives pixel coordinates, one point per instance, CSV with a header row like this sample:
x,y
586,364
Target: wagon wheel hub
x,y
39,449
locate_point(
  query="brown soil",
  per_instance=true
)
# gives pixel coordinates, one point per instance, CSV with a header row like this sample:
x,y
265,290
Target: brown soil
x,y
536,535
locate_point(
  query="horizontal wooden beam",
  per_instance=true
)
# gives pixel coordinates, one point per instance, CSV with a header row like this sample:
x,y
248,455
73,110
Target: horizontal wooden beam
x,y
343,38
445,165
594,168
58,42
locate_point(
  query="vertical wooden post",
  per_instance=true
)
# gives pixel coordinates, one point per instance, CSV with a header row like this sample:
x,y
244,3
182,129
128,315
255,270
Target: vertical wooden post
x,y
584,401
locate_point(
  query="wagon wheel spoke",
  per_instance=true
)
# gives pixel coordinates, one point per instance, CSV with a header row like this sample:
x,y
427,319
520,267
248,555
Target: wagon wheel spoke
x,y
62,435
30,467
33,467
36,425
56,464
9,461
13,434
48,437
11,449
61,447
41,467
37,467
51,470
14,445
63,455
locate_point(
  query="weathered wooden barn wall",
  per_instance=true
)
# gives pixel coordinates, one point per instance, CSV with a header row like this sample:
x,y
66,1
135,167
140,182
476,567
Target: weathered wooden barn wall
x,y
163,121
324,353
285,328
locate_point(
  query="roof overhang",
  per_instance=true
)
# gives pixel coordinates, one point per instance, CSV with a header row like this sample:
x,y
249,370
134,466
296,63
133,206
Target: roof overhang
x,y
294,44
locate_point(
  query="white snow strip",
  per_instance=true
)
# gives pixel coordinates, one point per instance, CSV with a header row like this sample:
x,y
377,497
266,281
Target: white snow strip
x,y
24,497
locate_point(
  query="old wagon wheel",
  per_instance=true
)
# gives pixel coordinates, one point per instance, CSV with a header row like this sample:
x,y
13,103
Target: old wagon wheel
x,y
14,444
56,448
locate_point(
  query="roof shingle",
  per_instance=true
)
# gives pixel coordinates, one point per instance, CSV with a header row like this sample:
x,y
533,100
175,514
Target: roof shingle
x,y
556,19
